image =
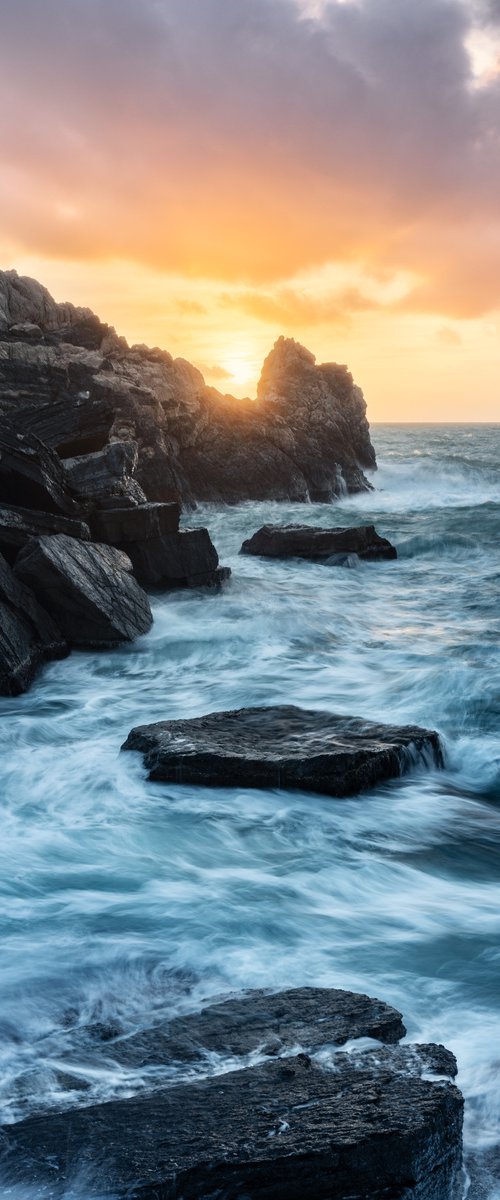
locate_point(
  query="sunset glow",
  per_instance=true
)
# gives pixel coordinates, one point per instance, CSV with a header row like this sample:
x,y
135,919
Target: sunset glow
x,y
207,175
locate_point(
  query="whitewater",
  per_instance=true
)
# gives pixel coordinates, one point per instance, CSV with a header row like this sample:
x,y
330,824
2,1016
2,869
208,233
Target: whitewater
x,y
125,901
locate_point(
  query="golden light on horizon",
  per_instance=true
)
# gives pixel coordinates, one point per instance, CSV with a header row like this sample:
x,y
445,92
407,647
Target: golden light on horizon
x,y
326,171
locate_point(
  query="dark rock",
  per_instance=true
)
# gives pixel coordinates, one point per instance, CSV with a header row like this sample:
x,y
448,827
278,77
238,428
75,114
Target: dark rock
x,y
119,526
257,1021
77,385
282,747
32,476
285,1130
28,635
105,474
87,587
318,544
186,559
18,525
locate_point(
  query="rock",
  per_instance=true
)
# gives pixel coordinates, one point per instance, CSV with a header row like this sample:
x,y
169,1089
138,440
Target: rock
x,y
28,635
272,1024
18,525
32,476
282,747
88,588
185,559
318,544
286,1130
120,526
78,386
161,555
105,474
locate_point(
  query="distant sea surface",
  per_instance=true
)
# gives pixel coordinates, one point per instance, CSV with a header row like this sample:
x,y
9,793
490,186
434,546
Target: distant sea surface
x,y
125,901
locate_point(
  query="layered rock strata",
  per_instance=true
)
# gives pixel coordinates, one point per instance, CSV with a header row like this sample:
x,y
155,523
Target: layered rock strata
x,y
370,1123
282,747
68,379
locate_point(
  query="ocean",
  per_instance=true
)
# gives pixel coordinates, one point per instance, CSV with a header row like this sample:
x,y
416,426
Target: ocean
x,y
125,901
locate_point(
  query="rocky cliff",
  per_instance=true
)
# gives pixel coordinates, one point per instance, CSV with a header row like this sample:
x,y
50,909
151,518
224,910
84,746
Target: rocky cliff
x,y
70,380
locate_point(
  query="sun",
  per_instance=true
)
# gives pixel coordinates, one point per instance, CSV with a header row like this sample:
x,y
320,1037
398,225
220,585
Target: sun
x,y
240,368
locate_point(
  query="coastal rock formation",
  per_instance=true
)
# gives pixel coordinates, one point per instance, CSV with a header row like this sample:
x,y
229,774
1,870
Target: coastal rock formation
x,y
18,525
318,544
28,635
282,747
368,1123
88,588
256,1022
71,381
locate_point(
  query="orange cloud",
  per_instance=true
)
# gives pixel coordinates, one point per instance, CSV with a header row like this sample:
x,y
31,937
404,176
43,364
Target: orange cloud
x,y
245,143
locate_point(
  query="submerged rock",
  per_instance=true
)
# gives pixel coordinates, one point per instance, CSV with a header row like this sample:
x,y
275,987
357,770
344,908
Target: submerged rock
x,y
88,588
28,635
282,747
365,1124
318,544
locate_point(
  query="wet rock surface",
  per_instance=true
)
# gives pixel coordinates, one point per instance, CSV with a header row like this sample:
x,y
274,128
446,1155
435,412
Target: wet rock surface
x,y
282,747
369,1123
318,544
88,588
257,1022
28,635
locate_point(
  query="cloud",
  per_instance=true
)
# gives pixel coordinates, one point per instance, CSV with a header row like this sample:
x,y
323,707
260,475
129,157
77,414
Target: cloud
x,y
448,336
291,309
215,372
249,142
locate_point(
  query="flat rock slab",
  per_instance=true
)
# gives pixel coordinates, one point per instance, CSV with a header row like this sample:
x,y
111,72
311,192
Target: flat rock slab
x,y
305,1018
88,589
282,747
318,544
28,635
289,1129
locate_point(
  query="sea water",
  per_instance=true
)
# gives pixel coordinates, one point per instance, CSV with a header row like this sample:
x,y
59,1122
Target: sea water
x,y
125,901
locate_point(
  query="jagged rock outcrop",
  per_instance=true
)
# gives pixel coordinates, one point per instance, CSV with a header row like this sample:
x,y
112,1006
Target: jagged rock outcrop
x,y
282,746
385,1121
88,588
28,635
69,379
18,525
318,544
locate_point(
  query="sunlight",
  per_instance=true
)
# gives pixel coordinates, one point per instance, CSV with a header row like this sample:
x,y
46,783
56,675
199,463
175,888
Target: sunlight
x,y
239,368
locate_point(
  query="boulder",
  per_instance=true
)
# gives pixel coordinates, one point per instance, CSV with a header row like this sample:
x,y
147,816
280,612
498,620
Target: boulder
x,y
185,559
363,1125
106,473
32,476
18,525
162,556
142,523
317,544
28,635
282,747
88,588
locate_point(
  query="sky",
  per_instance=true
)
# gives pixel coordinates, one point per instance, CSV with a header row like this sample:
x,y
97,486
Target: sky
x,y
209,174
